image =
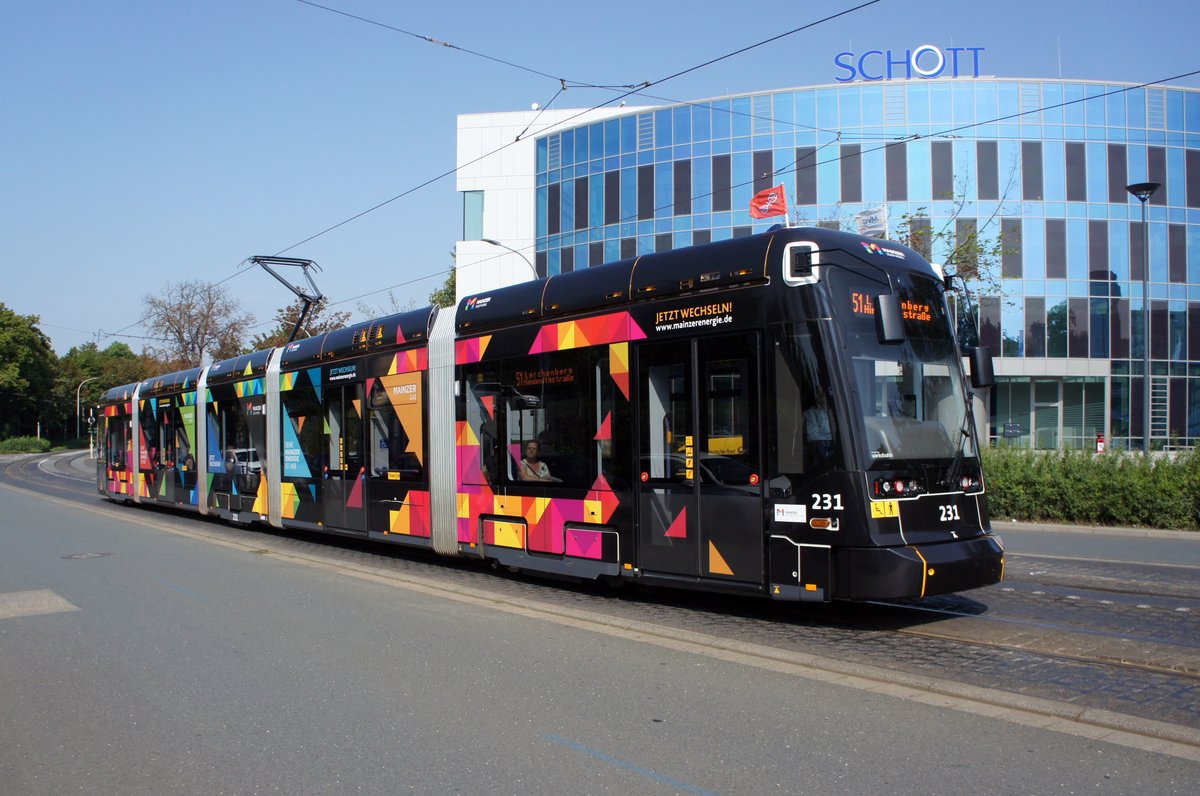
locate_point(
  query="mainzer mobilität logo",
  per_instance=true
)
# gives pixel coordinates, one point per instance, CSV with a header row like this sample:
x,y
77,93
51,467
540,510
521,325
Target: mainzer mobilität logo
x,y
478,302
875,248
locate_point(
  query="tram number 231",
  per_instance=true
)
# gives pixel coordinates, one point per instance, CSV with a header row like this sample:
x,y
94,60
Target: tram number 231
x,y
826,502
948,512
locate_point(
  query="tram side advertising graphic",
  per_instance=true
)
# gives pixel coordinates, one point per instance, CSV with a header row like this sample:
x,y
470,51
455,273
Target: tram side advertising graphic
x,y
784,414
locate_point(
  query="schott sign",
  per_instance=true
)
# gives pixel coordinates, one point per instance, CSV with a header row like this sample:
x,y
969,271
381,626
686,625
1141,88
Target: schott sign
x,y
925,61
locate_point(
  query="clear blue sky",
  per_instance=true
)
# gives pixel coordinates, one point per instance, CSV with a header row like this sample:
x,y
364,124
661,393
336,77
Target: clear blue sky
x,y
144,142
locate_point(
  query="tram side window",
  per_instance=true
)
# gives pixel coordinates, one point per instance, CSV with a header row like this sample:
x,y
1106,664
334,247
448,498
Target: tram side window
x,y
116,442
666,415
567,415
397,435
149,431
303,440
165,454
480,407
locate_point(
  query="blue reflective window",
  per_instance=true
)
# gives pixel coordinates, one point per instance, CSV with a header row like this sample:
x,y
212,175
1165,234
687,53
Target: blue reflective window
x,y
664,190
918,103
1054,171
920,180
965,166
542,159
784,112
596,134
741,180
702,185
596,201
612,140
874,175
1051,97
827,109
829,180
567,205
1135,107
701,122
1137,165
806,109
628,195
1077,252
964,103
1008,97
662,128
1192,107
1176,188
1097,173
850,107
985,103
567,148
629,140
1118,251
872,105
1074,112
681,118
1193,257
1175,110
741,116
940,107
1033,249
541,212
1012,329
1094,106
1115,108
722,123
1158,252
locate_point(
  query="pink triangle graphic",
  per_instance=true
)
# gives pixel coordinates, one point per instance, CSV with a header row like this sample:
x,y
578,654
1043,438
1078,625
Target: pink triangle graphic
x,y
678,529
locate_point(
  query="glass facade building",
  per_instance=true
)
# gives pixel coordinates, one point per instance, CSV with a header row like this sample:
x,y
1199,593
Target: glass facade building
x,y
1035,171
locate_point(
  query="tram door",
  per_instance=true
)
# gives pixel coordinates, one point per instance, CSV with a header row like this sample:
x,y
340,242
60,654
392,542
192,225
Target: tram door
x,y
699,458
342,491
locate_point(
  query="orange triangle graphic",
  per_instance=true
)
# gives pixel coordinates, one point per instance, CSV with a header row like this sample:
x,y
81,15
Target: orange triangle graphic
x,y
716,563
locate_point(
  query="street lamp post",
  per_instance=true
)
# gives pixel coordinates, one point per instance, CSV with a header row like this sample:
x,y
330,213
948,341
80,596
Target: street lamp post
x,y
1142,191
77,389
528,262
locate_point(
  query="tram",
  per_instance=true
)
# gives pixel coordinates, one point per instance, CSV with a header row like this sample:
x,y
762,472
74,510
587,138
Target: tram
x,y
784,414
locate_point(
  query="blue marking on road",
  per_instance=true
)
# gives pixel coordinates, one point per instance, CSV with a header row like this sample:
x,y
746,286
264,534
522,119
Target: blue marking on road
x,y
200,598
665,780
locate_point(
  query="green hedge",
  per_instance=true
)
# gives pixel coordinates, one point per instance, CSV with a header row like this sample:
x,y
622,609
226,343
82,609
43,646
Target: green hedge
x,y
1078,487
24,445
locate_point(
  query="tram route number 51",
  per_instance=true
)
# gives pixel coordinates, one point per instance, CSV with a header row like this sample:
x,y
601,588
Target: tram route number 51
x,y
826,502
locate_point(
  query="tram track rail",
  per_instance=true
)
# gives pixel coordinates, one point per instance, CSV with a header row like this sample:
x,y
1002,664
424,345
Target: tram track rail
x,y
991,638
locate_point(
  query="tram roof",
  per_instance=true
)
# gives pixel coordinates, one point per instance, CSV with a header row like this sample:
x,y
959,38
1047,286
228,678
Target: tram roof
x,y
691,269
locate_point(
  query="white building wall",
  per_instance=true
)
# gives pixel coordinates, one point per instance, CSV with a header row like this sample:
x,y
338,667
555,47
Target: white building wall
x,y
492,160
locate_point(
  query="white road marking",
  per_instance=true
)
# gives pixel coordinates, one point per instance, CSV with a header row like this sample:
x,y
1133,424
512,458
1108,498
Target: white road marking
x,y
14,604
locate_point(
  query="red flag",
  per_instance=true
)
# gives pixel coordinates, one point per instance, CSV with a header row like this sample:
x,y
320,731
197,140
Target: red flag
x,y
769,202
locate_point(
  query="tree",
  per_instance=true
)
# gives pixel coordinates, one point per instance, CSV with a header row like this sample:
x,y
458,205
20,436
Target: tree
x,y
86,373
318,321
446,295
195,320
28,368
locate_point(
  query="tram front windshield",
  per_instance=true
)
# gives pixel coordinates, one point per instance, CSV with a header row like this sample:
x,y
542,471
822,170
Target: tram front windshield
x,y
910,395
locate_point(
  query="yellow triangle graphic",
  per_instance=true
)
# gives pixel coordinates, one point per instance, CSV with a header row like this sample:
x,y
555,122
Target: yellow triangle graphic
x,y
716,564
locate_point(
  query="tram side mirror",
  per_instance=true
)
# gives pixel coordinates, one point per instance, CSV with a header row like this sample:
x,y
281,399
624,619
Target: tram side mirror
x,y
889,326
983,374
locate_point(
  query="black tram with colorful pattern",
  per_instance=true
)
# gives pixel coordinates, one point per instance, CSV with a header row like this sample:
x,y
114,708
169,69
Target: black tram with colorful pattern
x,y
784,414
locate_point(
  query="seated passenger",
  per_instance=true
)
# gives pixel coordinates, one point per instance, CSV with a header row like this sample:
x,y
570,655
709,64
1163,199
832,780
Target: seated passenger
x,y
532,468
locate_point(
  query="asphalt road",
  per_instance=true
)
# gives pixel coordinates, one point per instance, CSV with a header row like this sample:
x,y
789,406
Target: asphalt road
x,y
134,660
